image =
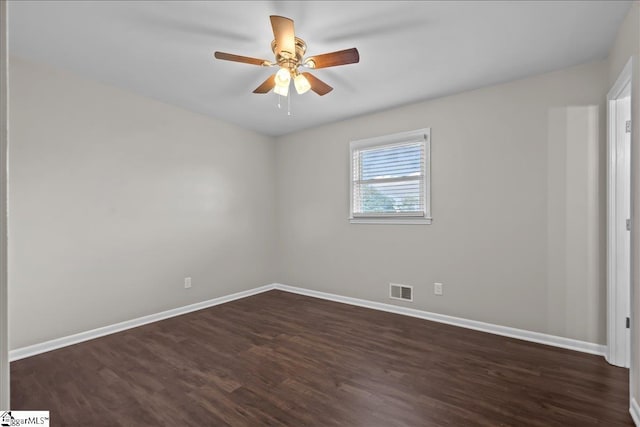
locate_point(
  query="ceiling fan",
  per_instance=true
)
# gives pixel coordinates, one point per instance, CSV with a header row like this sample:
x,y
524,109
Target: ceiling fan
x,y
289,53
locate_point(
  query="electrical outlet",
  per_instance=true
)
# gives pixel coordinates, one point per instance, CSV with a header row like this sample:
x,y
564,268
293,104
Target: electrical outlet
x,y
187,282
437,288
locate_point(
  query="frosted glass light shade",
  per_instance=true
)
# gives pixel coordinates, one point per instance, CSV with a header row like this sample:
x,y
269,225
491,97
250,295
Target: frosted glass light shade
x,y
301,83
283,77
281,90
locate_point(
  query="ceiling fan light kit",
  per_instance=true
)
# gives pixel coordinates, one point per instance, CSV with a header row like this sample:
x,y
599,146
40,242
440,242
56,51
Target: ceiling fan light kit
x,y
289,52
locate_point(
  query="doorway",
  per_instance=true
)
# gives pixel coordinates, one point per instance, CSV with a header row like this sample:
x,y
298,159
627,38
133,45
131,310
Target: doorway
x,y
618,220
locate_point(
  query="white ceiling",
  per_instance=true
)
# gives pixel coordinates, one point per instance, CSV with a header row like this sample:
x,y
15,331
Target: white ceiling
x,y
409,51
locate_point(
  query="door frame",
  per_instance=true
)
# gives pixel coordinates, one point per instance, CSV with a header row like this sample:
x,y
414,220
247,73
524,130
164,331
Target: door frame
x,y
618,308
4,304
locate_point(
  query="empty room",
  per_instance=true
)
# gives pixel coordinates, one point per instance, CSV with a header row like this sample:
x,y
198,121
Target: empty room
x,y
320,213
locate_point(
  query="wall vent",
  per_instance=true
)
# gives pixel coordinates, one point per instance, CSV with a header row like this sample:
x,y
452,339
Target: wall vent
x,y
402,292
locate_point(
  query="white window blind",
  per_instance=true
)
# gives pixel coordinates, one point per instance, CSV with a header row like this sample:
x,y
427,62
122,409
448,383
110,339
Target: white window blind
x,y
390,179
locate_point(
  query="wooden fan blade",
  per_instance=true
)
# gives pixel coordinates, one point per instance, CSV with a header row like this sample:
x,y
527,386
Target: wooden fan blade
x,y
284,35
267,85
238,58
341,57
317,85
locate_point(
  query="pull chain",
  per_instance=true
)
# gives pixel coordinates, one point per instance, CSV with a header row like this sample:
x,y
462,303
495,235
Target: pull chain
x,y
279,104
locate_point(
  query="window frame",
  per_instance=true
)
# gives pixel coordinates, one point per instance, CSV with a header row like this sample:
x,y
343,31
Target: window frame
x,y
419,135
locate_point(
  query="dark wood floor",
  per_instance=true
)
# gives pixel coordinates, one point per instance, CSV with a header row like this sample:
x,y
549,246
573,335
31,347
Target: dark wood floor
x,y
284,359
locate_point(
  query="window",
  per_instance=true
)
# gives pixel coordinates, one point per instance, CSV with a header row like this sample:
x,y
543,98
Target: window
x,y
390,179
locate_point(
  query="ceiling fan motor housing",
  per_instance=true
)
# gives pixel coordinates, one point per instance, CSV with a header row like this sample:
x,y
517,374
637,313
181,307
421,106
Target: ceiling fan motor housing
x,y
290,60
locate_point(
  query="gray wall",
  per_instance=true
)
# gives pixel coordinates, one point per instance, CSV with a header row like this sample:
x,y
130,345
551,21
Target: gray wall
x,y
517,200
115,198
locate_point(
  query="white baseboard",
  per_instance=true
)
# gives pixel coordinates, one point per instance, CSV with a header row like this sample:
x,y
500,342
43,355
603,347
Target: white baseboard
x,y
506,331
537,337
634,410
32,350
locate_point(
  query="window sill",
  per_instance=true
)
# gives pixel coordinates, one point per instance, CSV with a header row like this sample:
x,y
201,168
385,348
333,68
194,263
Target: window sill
x,y
395,221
